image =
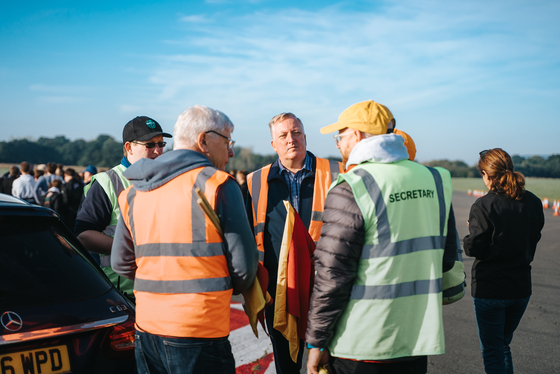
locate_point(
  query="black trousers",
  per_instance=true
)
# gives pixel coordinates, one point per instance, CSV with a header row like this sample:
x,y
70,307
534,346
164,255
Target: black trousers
x,y
343,366
281,347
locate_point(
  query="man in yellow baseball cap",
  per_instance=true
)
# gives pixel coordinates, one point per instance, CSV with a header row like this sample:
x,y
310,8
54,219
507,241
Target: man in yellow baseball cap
x,y
388,235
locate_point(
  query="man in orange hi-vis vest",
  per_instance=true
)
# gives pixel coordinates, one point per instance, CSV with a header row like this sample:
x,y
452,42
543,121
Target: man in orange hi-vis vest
x,y
302,179
184,271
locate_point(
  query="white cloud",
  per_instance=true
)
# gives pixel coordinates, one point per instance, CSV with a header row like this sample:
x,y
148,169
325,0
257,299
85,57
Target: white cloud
x,y
345,50
195,18
316,63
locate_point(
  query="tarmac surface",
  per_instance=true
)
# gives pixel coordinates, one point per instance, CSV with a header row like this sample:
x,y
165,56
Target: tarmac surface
x,y
535,345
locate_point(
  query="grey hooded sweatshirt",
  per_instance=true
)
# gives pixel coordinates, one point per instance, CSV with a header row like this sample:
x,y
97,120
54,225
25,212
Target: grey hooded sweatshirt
x,y
239,244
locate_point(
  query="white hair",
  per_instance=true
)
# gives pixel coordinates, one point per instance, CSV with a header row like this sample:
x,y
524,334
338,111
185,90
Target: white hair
x,y
197,119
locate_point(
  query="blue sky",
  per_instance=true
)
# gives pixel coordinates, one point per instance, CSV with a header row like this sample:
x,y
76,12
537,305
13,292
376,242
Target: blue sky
x,y
458,76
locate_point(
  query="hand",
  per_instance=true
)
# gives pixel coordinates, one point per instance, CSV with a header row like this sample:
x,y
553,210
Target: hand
x,y
316,358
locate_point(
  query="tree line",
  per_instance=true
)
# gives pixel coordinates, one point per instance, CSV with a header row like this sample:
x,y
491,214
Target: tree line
x,y
534,166
105,151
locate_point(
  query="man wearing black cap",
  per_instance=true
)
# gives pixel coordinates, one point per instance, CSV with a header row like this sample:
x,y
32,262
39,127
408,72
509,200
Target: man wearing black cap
x,y
99,213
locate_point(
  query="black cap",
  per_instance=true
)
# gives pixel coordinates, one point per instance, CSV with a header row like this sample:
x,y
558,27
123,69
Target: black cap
x,y
141,129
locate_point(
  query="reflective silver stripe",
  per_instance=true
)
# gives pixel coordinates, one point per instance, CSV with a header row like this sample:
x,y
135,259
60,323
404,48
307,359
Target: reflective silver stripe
x,y
261,256
334,170
115,181
393,291
402,247
441,199
383,228
105,260
198,219
59,331
183,286
316,216
130,199
198,249
258,228
255,194
386,248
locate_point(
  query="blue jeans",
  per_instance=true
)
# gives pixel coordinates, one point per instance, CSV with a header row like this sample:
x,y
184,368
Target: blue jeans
x,y
158,354
496,321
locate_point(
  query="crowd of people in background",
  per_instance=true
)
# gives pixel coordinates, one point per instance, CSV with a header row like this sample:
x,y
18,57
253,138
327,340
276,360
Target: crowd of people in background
x,y
49,185
61,189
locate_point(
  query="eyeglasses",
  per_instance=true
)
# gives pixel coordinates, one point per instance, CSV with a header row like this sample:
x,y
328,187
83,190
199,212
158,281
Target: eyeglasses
x,y
231,142
151,145
482,153
338,138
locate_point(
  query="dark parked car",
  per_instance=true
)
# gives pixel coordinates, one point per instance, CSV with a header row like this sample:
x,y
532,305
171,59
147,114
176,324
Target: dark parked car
x,y
59,312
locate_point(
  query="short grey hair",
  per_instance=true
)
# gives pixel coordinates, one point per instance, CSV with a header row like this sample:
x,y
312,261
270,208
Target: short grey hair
x,y
282,116
197,119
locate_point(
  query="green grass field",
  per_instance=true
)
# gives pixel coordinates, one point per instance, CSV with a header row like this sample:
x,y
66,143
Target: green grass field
x,y
542,187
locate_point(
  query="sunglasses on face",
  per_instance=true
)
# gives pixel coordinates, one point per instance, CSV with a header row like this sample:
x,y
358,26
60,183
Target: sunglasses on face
x,y
152,144
338,138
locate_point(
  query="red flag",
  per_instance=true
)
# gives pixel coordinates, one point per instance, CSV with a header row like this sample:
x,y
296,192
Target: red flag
x,y
295,281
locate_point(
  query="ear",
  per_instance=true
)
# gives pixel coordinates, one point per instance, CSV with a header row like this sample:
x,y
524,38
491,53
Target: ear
x,y
201,143
128,147
359,135
273,145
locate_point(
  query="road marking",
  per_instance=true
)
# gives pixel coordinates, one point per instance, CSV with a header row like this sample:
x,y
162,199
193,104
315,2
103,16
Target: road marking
x,y
251,355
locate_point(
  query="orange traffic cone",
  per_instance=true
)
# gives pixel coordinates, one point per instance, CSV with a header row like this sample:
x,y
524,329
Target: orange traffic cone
x,y
545,203
556,208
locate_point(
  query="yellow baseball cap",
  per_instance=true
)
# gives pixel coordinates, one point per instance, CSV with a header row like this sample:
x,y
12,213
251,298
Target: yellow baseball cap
x,y
367,116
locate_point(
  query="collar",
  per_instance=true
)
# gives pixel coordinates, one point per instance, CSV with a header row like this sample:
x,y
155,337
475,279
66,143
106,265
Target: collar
x,y
384,149
125,162
307,165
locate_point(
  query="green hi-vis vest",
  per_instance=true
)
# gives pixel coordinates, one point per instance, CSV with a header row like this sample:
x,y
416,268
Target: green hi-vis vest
x,y
395,307
113,183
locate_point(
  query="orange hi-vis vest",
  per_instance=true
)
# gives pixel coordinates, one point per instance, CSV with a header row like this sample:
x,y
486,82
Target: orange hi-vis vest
x,y
182,283
326,172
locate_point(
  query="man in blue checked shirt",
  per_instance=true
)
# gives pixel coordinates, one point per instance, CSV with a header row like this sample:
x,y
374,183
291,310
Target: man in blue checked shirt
x,y
302,179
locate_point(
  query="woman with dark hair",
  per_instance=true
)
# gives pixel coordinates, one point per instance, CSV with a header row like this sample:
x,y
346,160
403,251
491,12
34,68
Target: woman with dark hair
x,y
504,228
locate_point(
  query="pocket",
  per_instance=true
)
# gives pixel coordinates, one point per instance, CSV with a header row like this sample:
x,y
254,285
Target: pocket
x,y
490,303
184,355
139,355
186,343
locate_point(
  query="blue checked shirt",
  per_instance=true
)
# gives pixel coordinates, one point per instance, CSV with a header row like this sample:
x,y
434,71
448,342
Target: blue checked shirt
x,y
293,180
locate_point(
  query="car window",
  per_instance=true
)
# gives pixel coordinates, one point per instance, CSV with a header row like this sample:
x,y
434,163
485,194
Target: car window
x,y
39,265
